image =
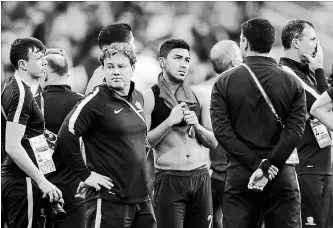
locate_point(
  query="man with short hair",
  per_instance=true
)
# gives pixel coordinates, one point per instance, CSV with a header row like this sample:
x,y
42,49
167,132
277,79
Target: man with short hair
x,y
120,32
58,101
112,125
179,125
303,58
224,55
255,141
322,108
23,183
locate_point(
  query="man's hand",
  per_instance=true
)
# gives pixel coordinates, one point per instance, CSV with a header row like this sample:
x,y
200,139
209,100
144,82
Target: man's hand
x,y
317,61
49,190
257,181
176,116
97,181
191,118
81,190
272,171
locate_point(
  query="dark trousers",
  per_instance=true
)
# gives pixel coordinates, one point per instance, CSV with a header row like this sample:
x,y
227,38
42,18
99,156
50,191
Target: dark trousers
x,y
183,199
317,200
279,203
217,195
21,201
73,206
104,214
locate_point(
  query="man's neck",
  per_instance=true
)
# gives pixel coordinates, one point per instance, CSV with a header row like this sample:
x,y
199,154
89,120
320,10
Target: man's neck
x,y
26,78
252,53
294,55
173,86
61,80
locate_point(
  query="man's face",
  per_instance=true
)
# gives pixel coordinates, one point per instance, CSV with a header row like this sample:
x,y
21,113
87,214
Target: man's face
x,y
36,63
118,71
307,43
177,64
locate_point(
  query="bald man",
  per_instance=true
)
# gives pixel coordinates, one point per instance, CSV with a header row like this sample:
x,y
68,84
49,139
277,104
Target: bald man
x,y
224,55
59,100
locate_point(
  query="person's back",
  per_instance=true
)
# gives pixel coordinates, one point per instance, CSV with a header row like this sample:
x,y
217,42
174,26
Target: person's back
x,y
259,137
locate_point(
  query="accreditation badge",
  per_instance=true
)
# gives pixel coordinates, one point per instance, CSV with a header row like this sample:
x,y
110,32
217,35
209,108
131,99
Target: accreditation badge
x,y
320,132
42,153
51,139
293,159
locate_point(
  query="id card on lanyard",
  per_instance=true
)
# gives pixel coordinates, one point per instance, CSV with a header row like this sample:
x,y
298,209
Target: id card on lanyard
x,y
320,132
42,153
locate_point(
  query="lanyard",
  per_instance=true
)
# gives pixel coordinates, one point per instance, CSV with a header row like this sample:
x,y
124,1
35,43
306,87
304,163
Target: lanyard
x,y
268,101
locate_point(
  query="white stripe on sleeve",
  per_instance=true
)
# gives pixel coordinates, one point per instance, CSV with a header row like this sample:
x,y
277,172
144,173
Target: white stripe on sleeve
x,y
21,101
76,113
30,202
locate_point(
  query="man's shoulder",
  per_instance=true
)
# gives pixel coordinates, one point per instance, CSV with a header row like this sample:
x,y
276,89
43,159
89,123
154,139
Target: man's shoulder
x,y
16,88
226,74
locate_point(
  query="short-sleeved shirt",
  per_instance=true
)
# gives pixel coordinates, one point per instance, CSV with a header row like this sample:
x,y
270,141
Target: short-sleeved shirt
x,y
19,106
330,93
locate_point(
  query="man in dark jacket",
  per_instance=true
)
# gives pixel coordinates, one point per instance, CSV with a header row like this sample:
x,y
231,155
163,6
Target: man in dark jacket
x,y
245,126
304,59
58,100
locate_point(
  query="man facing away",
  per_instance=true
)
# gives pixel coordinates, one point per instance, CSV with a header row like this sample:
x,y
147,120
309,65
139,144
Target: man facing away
x,y
255,141
59,100
224,55
179,124
303,58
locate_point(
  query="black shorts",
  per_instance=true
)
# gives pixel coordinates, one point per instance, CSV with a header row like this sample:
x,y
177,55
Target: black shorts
x,y
317,200
183,199
21,201
279,203
104,214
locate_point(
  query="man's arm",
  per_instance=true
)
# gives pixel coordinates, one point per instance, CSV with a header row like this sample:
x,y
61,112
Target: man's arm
x,y
223,131
95,80
158,133
322,109
204,130
291,134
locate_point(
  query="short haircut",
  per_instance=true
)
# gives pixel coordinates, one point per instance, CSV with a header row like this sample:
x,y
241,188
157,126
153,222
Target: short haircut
x,y
222,55
59,67
260,34
168,45
123,48
293,30
115,33
20,49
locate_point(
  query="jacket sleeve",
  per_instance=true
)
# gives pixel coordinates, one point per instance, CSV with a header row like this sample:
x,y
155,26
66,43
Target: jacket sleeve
x,y
321,80
75,125
291,134
224,132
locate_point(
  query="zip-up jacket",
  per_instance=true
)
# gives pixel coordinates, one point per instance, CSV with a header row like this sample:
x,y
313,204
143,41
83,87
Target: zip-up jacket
x,y
114,132
244,124
313,159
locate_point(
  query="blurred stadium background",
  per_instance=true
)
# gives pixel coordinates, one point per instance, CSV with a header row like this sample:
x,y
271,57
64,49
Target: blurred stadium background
x,y
74,27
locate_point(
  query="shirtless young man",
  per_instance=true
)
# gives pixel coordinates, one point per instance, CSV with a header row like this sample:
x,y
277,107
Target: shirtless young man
x,y
179,122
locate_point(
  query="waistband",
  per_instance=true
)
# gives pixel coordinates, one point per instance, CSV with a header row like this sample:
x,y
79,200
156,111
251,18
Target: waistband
x,y
183,173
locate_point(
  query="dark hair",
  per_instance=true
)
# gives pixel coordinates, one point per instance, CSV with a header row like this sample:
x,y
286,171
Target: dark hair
x,y
20,49
168,45
114,33
115,48
260,34
293,30
58,67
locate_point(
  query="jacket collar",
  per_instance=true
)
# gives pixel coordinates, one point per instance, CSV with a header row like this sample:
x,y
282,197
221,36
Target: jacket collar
x,y
295,65
57,88
259,59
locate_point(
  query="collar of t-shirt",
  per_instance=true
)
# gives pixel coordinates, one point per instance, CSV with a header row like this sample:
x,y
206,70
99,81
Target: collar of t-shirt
x,y
57,88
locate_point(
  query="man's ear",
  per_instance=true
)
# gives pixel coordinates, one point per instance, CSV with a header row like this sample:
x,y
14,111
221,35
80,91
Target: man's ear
x,y
22,64
161,60
133,69
294,42
233,63
246,44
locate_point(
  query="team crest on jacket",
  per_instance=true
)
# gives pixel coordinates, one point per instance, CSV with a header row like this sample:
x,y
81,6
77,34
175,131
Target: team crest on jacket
x,y
138,105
